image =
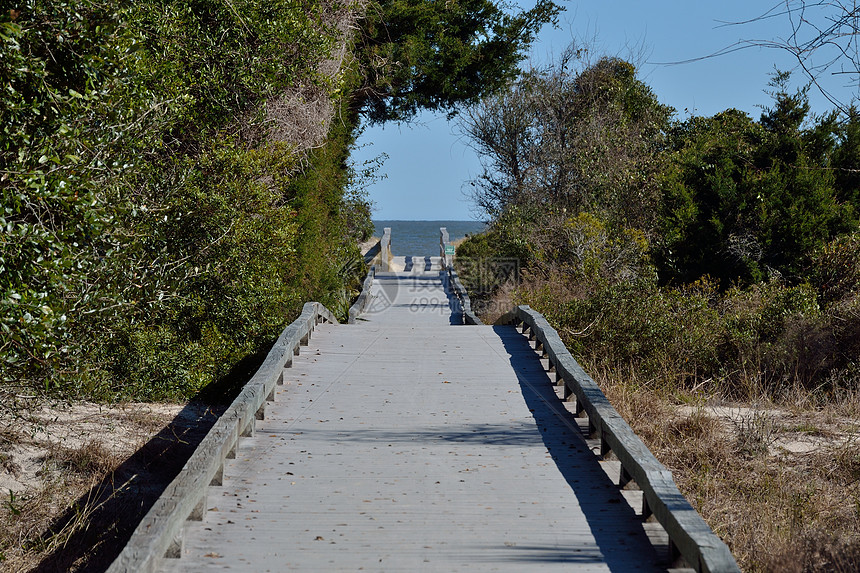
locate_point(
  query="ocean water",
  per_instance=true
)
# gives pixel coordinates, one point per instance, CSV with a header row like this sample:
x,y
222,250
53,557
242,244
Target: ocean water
x,y
421,238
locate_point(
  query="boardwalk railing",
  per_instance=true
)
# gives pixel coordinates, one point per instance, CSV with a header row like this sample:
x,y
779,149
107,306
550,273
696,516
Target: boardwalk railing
x,y
385,250
373,252
689,535
159,534
364,299
458,290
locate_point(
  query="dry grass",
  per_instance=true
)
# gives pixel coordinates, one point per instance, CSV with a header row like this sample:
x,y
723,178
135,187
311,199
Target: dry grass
x,y
69,479
32,531
91,458
87,473
491,308
777,509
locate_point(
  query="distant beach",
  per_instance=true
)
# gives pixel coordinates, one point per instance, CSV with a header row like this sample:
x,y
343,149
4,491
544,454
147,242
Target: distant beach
x,y
421,238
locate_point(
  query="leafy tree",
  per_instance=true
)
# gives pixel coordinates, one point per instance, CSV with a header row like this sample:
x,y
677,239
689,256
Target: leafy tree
x,y
563,139
846,159
704,206
744,199
436,55
151,237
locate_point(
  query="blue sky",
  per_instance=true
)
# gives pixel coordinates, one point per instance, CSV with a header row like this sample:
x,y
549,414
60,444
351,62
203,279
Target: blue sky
x,y
428,162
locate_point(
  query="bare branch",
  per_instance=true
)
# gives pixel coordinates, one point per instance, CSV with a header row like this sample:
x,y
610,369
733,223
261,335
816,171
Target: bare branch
x,y
823,37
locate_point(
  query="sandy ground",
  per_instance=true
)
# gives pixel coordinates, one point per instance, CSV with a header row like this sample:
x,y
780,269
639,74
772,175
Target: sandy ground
x,y
26,442
76,478
782,431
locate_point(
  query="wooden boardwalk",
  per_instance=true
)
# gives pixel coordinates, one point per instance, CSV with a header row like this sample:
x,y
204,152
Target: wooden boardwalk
x,y
406,444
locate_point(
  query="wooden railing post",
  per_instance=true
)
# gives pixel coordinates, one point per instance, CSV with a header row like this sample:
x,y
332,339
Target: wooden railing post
x,y
385,250
689,535
444,247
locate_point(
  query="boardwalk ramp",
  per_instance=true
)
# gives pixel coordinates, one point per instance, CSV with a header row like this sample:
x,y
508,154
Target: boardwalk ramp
x,y
407,443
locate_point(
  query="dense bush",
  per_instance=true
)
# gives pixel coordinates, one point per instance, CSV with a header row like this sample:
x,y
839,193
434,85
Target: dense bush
x,y
54,62
740,274
836,268
766,340
253,254
744,200
153,236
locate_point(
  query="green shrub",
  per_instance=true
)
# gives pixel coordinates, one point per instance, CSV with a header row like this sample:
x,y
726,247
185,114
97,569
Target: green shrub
x,y
58,61
746,200
588,251
836,268
239,247
151,238
665,334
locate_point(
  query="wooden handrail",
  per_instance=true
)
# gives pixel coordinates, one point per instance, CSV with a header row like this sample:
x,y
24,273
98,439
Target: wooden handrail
x,y
446,249
462,295
689,535
385,250
363,300
159,534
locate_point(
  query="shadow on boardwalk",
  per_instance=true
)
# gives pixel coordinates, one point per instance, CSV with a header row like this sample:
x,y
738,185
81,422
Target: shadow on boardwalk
x,y
419,294
613,522
621,543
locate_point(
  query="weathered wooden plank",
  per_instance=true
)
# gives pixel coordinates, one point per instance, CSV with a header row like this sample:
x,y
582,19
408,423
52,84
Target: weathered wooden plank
x,y
445,452
160,532
687,531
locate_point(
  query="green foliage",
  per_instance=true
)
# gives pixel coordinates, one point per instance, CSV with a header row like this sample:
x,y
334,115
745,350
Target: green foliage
x,y
846,159
479,246
211,278
758,315
438,55
657,332
55,59
576,140
744,200
491,260
587,251
507,236
205,61
836,268
151,238
254,244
